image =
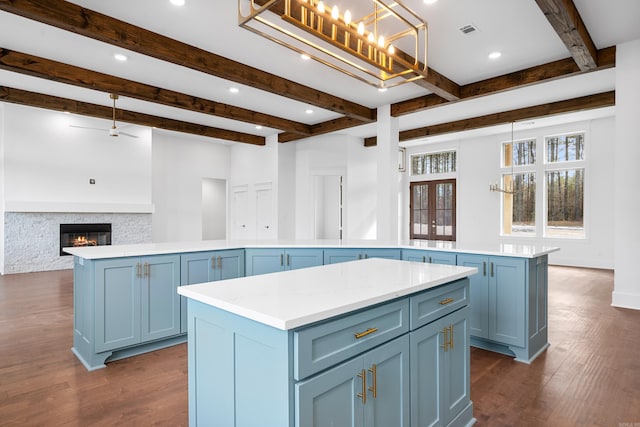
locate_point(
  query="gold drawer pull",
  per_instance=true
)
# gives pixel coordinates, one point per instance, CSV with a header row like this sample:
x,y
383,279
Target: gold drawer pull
x,y
359,335
447,301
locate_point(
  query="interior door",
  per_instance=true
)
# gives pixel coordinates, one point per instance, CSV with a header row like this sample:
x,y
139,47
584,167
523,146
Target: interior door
x,y
265,224
433,210
240,213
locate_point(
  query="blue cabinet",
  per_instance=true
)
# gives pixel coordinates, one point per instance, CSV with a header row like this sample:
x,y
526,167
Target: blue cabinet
x,y
332,256
279,378
440,364
432,257
125,306
508,304
210,266
271,260
136,300
370,390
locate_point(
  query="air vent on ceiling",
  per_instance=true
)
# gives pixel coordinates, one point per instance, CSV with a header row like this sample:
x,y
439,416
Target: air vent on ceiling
x,y
466,29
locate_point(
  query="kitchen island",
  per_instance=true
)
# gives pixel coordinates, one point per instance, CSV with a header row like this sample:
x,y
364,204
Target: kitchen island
x,y
369,342
126,300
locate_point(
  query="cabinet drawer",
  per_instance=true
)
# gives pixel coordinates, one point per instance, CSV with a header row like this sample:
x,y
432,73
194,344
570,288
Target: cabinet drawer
x,y
435,303
322,346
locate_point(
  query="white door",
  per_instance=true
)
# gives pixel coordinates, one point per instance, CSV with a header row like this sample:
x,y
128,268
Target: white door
x,y
265,227
328,206
240,211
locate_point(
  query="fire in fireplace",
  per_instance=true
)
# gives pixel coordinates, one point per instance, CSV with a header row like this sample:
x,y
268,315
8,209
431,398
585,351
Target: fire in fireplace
x,y
75,235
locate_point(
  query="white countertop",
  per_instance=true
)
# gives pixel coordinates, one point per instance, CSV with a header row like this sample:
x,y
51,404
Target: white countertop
x,y
295,298
119,251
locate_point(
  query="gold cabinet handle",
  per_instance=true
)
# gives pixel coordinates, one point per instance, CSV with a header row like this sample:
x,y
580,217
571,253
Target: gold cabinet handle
x,y
369,331
219,263
445,345
213,262
363,395
147,269
374,378
451,336
447,301
138,270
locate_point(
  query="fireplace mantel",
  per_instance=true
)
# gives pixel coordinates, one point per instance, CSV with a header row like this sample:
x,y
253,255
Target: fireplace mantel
x,y
76,207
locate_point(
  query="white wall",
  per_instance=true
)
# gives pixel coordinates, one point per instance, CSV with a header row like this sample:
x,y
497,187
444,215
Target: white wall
x,y
2,186
478,209
214,209
627,173
45,160
180,162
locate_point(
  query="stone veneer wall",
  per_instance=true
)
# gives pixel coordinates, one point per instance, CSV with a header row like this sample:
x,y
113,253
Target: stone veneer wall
x,y
32,240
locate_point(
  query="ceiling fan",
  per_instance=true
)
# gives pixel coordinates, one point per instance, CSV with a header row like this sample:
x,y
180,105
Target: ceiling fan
x,y
114,131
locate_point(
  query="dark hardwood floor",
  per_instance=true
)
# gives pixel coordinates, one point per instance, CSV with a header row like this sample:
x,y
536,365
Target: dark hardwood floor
x,y
590,376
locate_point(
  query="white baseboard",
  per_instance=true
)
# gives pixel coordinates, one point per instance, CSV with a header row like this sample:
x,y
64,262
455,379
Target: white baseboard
x,y
625,300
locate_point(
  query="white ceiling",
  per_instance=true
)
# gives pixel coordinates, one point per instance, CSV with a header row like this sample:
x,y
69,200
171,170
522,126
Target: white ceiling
x,y
517,28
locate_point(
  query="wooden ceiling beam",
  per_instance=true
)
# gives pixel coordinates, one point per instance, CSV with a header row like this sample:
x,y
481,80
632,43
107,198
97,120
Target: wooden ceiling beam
x,y
583,103
322,128
33,99
56,71
567,22
71,17
534,75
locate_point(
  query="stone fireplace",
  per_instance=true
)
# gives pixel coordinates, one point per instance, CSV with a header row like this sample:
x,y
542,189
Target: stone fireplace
x,y
32,240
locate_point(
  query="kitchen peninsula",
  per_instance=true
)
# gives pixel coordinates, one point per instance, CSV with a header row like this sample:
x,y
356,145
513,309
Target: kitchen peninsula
x,y
126,300
369,342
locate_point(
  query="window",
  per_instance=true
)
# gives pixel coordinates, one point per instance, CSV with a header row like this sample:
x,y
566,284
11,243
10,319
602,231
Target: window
x,y
433,163
519,208
562,184
433,210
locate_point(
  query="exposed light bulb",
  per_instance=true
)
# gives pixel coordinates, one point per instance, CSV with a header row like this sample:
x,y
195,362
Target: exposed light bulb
x,y
371,38
361,28
321,6
381,41
391,49
335,13
347,17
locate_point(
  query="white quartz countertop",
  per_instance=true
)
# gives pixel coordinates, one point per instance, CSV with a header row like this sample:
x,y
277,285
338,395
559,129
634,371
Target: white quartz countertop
x,y
291,299
119,251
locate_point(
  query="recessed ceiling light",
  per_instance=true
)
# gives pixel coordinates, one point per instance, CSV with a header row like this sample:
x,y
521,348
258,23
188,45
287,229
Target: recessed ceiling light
x,y
258,127
309,111
382,89
429,1
120,57
177,2
234,90
305,57
495,55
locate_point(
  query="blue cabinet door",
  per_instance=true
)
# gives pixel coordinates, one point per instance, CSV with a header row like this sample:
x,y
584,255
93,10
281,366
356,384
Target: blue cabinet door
x,y
433,257
427,362
479,293
440,370
333,256
117,303
388,385
381,253
507,300
202,267
262,261
160,302
302,258
457,388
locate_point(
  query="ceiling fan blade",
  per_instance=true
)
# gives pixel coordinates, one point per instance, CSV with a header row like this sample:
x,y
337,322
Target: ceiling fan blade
x,y
90,128
130,135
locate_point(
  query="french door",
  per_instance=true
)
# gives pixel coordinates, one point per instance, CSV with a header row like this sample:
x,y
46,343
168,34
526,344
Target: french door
x,y
433,210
